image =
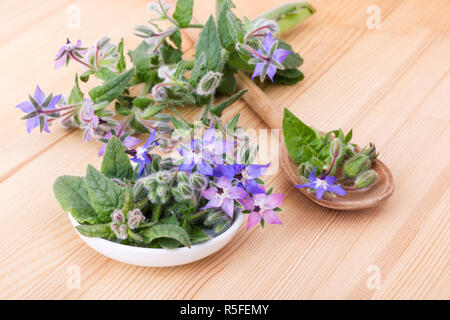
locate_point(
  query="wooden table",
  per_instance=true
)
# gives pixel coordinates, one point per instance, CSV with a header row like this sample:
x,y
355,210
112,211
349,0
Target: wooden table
x,y
391,85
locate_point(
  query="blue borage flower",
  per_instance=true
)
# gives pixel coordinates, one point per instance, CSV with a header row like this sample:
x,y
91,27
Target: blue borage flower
x,y
268,58
205,153
244,175
40,110
322,184
141,154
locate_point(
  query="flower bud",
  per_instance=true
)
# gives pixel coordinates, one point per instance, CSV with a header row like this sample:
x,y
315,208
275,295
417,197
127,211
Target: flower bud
x,y
370,151
117,216
209,83
221,227
102,42
159,92
336,148
356,165
182,177
198,180
185,189
68,123
135,217
366,179
166,164
305,169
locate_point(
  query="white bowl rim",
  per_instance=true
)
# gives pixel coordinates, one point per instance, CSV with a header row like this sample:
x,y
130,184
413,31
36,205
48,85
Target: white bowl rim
x,y
132,249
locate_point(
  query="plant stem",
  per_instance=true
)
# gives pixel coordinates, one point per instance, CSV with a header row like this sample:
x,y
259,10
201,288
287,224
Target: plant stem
x,y
195,26
157,207
197,215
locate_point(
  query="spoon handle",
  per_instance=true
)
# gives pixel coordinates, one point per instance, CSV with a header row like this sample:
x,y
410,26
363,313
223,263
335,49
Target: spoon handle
x,y
260,102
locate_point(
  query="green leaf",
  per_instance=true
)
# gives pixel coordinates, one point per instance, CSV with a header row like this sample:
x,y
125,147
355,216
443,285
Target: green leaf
x,y
231,29
116,163
349,136
297,135
72,195
128,201
293,61
218,109
169,243
288,76
183,12
121,64
228,84
169,54
152,111
105,195
136,124
111,89
122,109
76,96
85,75
105,74
166,231
197,235
142,59
142,102
176,38
96,230
207,51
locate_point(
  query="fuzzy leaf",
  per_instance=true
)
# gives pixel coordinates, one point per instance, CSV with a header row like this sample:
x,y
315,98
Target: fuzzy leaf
x,y
293,61
111,89
105,195
218,109
115,162
209,46
231,29
183,12
96,230
76,96
297,135
197,235
166,231
72,195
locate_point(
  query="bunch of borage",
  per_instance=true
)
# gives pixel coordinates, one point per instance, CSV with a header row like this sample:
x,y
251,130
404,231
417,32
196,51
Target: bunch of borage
x,y
138,197
160,202
328,163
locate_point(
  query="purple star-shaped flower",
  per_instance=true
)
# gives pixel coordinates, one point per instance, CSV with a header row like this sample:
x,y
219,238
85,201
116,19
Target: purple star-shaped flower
x,y
244,175
261,207
268,58
321,185
141,155
223,195
68,51
128,141
39,110
205,153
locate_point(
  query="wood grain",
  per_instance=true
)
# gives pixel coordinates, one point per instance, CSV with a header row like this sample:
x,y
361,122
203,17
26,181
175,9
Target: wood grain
x,y
390,84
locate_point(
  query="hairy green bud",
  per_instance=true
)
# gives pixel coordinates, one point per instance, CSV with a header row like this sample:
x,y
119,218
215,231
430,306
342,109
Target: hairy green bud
x,y
366,179
336,148
356,165
182,177
198,181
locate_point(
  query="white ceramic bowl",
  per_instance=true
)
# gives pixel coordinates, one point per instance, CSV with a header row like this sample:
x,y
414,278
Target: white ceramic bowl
x,y
149,257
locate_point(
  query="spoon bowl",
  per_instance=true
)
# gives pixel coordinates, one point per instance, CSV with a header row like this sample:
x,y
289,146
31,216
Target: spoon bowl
x,y
355,199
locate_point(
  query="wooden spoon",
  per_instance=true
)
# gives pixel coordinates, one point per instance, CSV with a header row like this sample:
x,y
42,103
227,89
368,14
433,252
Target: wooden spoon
x,y
272,115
